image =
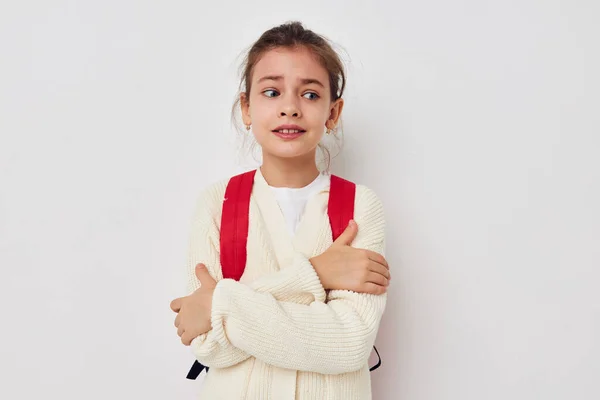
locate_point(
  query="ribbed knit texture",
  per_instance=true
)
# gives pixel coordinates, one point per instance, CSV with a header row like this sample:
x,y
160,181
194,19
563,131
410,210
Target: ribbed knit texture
x,y
277,334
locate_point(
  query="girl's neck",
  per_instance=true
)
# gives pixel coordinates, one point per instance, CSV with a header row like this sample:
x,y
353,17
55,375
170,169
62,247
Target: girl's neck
x,y
291,173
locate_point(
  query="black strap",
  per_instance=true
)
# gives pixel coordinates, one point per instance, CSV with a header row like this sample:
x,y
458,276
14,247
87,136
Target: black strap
x,y
196,370
373,368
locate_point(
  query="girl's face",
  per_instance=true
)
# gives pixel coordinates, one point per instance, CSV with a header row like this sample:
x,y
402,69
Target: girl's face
x,y
290,105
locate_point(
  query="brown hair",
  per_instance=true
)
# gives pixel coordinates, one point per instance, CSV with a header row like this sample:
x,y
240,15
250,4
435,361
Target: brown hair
x,y
293,35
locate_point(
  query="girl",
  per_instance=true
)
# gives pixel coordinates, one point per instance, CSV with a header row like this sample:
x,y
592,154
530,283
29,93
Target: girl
x,y
301,321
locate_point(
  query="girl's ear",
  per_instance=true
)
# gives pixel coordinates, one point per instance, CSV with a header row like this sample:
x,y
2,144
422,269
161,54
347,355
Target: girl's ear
x,y
245,108
335,113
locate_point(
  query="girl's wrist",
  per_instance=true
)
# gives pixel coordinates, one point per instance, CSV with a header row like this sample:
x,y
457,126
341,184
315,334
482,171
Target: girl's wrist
x,y
315,261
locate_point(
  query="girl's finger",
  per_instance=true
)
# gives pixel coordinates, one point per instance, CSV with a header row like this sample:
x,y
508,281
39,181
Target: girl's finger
x,y
377,279
176,305
378,258
372,288
380,269
186,339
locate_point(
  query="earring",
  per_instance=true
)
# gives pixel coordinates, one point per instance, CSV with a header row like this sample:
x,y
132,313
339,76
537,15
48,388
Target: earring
x,y
248,127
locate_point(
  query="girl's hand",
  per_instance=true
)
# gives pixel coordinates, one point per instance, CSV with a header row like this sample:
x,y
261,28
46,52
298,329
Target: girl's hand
x,y
194,311
343,267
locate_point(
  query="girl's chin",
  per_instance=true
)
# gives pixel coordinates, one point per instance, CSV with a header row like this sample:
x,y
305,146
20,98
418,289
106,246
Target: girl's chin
x,y
289,151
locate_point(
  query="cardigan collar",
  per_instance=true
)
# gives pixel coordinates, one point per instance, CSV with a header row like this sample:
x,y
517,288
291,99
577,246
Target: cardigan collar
x,y
313,222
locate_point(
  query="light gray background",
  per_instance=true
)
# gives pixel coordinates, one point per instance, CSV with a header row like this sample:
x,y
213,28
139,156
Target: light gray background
x,y
476,122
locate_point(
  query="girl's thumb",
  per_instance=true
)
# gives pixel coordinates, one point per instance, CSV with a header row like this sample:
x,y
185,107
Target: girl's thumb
x,y
349,234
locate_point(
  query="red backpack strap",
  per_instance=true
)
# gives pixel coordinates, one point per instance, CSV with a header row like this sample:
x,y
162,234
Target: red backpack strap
x,y
341,204
234,225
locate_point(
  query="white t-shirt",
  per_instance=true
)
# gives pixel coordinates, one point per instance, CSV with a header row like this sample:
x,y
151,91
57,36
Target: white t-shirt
x,y
292,201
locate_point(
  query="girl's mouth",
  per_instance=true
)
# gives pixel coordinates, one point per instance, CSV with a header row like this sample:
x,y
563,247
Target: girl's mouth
x,y
288,133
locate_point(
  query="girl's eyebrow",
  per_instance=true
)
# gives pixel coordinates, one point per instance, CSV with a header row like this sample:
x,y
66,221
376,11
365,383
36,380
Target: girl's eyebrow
x,y
305,81
308,81
271,78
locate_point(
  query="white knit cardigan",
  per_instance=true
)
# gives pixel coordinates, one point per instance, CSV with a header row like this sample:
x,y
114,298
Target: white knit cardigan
x,y
277,334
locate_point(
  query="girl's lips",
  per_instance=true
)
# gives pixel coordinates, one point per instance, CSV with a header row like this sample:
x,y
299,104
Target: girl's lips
x,y
289,130
289,127
289,135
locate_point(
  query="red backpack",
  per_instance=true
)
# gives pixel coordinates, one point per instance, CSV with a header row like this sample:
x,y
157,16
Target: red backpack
x,y
234,228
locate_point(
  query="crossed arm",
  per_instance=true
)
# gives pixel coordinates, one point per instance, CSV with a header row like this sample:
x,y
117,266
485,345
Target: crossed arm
x,y
300,326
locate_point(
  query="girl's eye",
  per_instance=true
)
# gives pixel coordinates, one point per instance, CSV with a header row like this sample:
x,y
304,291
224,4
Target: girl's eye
x,y
310,95
270,93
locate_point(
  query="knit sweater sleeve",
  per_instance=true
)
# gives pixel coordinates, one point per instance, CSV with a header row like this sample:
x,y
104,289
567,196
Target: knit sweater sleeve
x,y
329,337
294,281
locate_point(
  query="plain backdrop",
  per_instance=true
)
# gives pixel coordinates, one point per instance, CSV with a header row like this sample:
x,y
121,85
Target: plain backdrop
x,y
476,122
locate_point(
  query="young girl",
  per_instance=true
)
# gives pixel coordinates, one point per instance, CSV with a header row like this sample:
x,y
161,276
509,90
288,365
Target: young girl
x,y
302,320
